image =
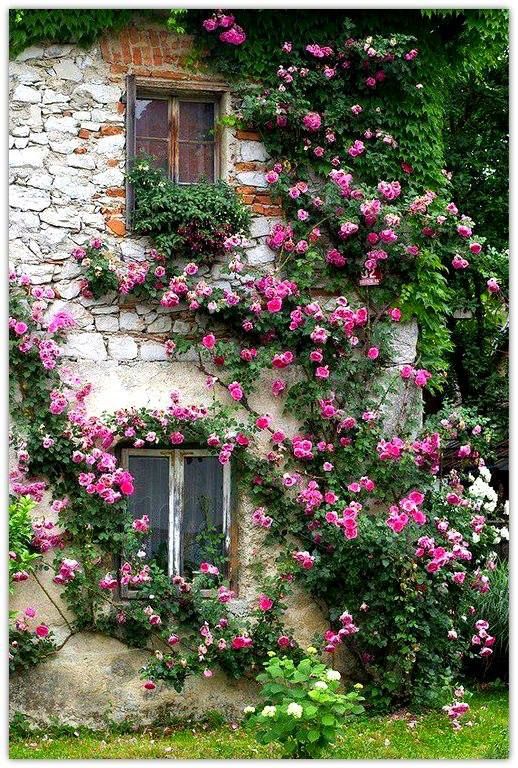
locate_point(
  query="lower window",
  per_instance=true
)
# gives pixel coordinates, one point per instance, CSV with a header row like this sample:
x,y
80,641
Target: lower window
x,y
186,495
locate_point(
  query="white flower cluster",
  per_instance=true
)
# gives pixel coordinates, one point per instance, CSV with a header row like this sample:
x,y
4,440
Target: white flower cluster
x,y
294,709
483,494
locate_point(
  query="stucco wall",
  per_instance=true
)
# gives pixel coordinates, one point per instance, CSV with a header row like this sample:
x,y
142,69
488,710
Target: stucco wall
x,y
67,159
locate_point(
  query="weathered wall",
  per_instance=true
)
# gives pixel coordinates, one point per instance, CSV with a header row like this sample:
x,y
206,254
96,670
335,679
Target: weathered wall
x,y
67,160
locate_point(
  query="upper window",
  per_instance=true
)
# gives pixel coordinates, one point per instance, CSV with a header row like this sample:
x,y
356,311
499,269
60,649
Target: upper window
x,y
181,134
186,495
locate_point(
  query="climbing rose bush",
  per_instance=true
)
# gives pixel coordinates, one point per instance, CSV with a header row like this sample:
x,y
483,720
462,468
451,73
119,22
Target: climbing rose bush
x,y
362,520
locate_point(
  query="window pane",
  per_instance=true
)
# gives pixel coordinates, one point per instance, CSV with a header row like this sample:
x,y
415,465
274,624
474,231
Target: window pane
x,y
152,118
202,529
157,148
196,121
151,498
196,162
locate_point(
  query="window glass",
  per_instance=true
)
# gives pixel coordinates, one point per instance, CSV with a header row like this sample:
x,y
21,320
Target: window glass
x,y
157,148
195,141
195,162
152,118
196,121
151,498
187,152
202,526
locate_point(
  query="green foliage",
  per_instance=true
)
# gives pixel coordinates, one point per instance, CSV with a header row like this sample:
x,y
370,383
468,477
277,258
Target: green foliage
x,y
404,736
21,558
34,26
302,707
493,606
186,221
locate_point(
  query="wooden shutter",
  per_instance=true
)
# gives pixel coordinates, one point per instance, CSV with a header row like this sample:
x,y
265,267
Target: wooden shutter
x,y
131,96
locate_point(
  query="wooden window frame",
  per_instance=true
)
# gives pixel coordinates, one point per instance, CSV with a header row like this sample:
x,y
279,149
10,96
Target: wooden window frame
x,y
173,99
176,489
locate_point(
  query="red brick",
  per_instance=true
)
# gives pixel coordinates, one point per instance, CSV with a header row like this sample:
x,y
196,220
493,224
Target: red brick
x,y
111,130
248,135
136,56
117,226
112,163
250,166
84,134
80,151
147,57
116,192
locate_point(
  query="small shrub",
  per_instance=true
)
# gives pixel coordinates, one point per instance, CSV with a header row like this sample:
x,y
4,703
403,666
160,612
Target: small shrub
x,y
303,710
186,221
21,559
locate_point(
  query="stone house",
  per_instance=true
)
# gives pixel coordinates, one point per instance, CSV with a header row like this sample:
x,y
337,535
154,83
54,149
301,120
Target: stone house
x,y
76,118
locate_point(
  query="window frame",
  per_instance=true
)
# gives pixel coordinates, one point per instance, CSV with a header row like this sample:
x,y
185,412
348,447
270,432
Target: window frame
x,y
173,99
176,506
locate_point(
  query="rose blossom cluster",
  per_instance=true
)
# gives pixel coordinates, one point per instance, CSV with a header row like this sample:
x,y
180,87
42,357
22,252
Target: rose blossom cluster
x,y
482,639
333,639
406,508
231,33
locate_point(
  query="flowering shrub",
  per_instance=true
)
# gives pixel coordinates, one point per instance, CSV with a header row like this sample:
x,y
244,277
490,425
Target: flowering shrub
x,y
186,221
302,707
29,642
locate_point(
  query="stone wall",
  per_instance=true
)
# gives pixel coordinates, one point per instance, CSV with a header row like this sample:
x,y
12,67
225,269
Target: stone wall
x,y
67,161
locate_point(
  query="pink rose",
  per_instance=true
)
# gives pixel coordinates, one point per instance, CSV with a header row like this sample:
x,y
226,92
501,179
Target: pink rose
x,y
312,121
236,391
209,341
274,305
42,630
265,602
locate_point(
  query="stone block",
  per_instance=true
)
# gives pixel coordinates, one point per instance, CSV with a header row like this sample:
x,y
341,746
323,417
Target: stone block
x,y
62,217
151,350
122,348
65,69
161,325
252,179
101,93
26,95
85,346
68,289
61,125
131,321
253,151
260,254
107,323
31,157
54,97
28,199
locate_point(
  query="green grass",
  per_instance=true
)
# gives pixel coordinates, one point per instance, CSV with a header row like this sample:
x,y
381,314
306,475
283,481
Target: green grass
x,y
388,737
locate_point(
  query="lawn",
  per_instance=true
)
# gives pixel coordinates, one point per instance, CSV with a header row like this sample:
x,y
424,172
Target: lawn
x,y
397,736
